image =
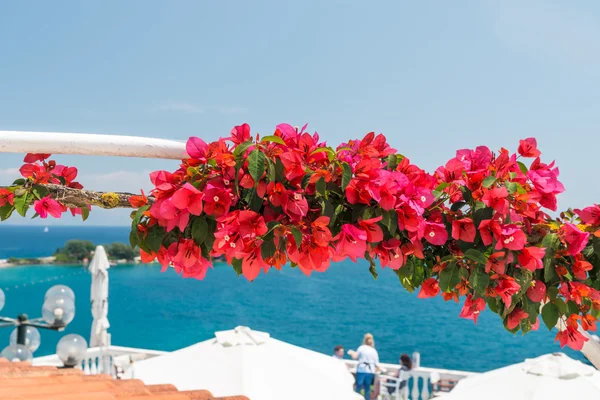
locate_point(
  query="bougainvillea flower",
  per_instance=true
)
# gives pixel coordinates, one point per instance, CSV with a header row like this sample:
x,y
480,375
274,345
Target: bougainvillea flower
x,y
373,230
580,267
576,239
351,242
217,200
531,258
48,206
575,291
253,262
537,291
506,288
390,254
33,157
6,197
138,201
240,133
435,233
251,224
496,198
188,198
464,229
197,149
588,322
292,166
489,230
472,308
162,180
496,262
590,215
571,337
429,288
295,205
511,237
528,148
515,317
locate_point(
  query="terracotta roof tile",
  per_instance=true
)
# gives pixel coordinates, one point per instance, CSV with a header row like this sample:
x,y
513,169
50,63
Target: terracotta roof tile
x,y
22,381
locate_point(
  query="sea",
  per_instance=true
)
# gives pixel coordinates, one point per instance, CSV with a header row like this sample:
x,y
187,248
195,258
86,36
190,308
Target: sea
x,y
154,310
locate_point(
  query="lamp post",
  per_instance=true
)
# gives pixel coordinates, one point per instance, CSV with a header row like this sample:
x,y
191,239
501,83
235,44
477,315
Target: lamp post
x,y
58,311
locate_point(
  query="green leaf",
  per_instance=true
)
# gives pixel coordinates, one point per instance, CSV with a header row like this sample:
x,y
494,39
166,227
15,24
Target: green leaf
x,y
561,305
267,249
297,236
372,265
346,175
6,211
154,238
199,230
40,191
392,162
551,241
320,186
236,263
22,203
488,181
550,315
449,277
390,220
512,187
552,292
271,175
330,152
279,171
457,206
326,208
476,255
85,213
19,182
467,194
480,280
522,167
272,138
241,148
256,164
572,308
492,304
133,238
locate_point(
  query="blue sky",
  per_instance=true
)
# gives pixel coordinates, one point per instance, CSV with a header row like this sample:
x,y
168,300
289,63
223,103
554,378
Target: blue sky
x,y
433,76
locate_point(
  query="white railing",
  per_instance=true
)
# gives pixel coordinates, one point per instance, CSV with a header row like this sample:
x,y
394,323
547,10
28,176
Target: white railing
x,y
90,144
113,360
424,383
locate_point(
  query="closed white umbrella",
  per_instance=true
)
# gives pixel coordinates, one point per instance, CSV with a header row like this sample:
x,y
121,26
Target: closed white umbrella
x,y
99,295
548,377
251,363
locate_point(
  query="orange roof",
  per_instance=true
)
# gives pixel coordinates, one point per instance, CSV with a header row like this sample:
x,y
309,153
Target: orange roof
x,y
22,381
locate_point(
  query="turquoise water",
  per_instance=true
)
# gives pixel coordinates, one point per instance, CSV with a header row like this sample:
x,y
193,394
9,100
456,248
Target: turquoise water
x,y
155,310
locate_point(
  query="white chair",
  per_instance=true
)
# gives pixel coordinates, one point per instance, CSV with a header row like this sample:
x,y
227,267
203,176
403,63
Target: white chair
x,y
388,383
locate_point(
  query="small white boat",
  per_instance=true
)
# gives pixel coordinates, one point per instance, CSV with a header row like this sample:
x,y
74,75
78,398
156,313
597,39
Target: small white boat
x,y
46,230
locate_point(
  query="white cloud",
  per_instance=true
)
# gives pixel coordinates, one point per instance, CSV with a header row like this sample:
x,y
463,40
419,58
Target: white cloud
x,y
552,32
191,108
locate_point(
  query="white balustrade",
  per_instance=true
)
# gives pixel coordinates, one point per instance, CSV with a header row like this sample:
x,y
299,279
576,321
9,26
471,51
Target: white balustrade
x,y
102,360
420,379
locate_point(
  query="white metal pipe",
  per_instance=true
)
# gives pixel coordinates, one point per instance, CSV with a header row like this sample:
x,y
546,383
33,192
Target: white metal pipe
x,y
90,144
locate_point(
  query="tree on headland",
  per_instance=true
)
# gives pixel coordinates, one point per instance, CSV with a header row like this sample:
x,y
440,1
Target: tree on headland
x,y
75,251
120,251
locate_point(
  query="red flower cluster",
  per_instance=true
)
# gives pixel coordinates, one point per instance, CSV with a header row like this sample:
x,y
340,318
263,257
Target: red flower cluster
x,y
476,228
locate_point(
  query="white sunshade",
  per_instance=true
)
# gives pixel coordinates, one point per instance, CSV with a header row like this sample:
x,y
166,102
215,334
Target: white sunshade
x,y
548,377
251,363
99,265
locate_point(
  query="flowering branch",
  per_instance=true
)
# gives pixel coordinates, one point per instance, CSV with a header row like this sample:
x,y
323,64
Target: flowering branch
x,y
476,228
77,198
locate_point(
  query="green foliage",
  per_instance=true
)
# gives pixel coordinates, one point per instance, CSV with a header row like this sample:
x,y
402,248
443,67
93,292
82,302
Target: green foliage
x,y
75,251
120,251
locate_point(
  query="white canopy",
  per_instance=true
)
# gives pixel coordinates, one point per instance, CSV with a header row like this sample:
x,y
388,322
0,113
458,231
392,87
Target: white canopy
x,y
251,363
549,377
99,295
